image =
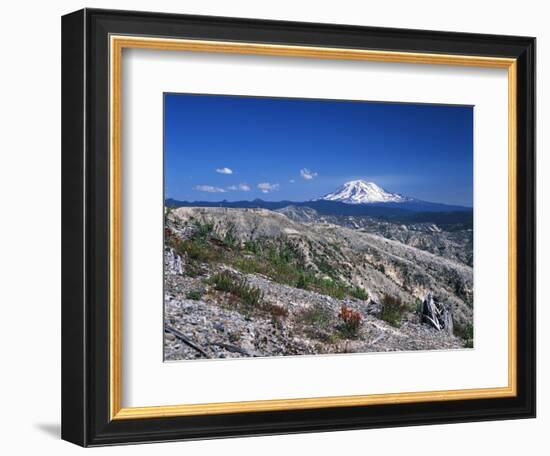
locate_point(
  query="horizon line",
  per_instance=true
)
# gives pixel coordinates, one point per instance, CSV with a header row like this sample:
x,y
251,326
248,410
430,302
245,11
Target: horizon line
x,y
314,200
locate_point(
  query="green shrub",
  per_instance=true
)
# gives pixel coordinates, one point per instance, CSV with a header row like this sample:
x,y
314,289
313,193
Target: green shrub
x,y
359,293
195,295
325,268
203,230
234,337
303,281
191,269
283,265
316,323
330,287
418,306
199,251
253,247
466,333
168,210
230,239
316,315
225,281
196,249
279,264
392,310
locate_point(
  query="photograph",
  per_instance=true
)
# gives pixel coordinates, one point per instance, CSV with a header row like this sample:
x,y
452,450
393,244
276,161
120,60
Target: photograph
x,y
310,227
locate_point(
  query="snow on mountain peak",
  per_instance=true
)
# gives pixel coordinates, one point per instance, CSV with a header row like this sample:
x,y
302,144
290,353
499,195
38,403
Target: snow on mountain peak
x,y
363,192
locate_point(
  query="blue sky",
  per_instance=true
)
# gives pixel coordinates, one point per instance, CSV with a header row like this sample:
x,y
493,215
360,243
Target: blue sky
x,y
242,148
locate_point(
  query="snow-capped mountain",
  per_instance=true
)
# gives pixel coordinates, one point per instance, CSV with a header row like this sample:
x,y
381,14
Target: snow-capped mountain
x,y
362,192
354,198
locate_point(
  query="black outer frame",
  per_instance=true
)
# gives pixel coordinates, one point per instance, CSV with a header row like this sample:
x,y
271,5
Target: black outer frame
x,y
85,227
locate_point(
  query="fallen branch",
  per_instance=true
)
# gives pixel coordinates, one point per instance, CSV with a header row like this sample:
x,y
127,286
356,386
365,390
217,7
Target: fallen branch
x,y
185,340
378,339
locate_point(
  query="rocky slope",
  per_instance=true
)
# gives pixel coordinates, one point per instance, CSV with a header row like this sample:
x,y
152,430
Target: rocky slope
x,y
450,240
254,282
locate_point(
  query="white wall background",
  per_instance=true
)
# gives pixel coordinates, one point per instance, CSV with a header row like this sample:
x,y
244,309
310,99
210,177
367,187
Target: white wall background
x,y
30,229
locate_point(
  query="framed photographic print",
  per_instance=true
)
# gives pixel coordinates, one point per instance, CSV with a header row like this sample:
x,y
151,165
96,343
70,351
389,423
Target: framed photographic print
x,y
277,227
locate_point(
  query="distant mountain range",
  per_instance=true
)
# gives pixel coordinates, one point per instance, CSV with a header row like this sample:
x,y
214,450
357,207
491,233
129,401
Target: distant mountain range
x,y
355,198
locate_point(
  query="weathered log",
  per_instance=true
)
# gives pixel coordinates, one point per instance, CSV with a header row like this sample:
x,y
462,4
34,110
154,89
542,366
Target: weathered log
x,y
185,340
436,314
448,321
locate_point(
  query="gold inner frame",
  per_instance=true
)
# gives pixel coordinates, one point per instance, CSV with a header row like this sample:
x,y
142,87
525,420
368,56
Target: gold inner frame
x,y
117,44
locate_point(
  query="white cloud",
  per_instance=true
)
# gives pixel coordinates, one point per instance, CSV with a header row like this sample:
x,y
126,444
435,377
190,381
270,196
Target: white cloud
x,y
241,187
307,174
224,170
266,187
209,189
